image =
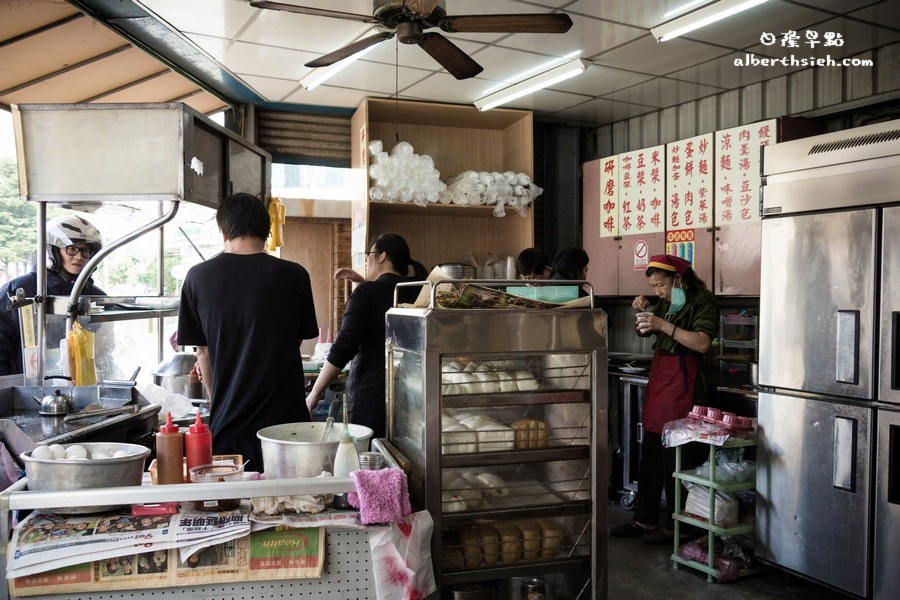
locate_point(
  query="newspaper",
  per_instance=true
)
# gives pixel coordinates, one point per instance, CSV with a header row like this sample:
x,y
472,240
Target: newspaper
x,y
328,518
43,542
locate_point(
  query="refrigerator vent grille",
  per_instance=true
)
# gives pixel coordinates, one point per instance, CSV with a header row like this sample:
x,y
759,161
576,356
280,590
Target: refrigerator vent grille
x,y
862,140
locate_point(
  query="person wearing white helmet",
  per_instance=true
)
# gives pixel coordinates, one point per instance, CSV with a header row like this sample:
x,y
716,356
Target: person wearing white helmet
x,y
71,242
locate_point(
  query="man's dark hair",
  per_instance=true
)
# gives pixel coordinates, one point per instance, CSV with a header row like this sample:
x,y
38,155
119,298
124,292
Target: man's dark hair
x,y
531,261
241,215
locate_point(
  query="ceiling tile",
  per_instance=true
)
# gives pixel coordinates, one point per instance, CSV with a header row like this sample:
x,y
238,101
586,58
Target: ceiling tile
x,y
646,13
646,55
663,93
481,7
506,65
413,56
445,88
219,18
214,46
326,95
375,77
270,88
886,14
597,81
242,57
302,32
773,17
205,103
722,72
589,36
547,101
599,110
840,5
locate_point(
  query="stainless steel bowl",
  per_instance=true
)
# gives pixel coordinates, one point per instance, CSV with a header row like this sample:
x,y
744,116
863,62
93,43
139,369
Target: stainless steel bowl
x,y
59,475
459,271
297,450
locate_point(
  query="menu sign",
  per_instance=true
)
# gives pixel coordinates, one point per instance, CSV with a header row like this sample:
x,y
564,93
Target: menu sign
x,y
689,183
641,191
609,196
737,171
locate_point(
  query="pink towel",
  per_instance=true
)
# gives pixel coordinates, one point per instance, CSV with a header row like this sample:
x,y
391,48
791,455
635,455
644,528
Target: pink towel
x,y
381,496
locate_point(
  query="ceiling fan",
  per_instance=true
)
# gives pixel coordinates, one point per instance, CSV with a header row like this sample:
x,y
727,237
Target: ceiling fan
x,y
408,20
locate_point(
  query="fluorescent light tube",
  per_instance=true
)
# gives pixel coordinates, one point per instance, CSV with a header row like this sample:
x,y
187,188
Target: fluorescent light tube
x,y
533,84
701,18
320,75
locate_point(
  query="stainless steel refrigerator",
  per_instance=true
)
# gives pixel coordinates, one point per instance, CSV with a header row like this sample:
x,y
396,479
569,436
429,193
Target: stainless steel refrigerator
x,y
829,432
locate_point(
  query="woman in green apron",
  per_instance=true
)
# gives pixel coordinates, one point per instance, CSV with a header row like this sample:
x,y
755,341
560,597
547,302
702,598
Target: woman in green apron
x,y
685,321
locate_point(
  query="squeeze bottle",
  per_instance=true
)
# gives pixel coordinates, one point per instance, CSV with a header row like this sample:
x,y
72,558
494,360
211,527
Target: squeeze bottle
x,y
198,444
169,453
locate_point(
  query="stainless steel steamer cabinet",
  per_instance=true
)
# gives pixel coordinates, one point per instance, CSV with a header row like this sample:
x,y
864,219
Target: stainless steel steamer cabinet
x,y
502,414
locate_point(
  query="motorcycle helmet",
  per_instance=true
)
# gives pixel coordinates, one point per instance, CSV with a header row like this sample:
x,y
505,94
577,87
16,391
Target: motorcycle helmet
x,y
68,230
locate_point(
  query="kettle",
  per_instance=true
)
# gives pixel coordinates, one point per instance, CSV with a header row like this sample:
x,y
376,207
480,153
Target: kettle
x,y
56,404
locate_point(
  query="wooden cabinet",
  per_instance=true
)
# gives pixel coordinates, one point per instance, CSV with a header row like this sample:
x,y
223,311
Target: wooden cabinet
x,y
458,138
617,262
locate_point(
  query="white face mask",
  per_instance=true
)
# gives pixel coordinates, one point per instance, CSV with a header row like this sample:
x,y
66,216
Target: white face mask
x,y
678,300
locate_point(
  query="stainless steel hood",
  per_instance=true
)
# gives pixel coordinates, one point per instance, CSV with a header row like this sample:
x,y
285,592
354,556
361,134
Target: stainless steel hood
x,y
854,167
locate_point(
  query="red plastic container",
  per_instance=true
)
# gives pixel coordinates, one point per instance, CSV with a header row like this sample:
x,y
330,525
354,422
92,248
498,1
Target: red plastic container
x,y
198,445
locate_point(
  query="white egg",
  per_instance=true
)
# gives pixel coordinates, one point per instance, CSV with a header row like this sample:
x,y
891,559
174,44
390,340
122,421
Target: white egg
x,y
121,454
42,452
59,452
76,451
100,456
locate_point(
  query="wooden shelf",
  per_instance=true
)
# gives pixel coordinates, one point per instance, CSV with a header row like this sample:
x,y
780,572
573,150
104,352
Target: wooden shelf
x,y
458,138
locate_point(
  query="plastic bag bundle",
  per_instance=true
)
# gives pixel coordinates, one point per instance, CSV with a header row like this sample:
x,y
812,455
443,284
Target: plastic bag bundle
x,y
730,467
472,188
403,175
698,504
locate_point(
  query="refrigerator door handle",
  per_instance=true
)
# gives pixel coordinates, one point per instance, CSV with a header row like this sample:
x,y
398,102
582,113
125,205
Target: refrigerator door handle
x,y
846,360
895,344
844,474
893,466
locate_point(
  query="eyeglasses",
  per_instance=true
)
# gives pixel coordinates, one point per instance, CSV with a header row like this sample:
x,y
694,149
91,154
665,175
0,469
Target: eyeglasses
x,y
368,252
86,252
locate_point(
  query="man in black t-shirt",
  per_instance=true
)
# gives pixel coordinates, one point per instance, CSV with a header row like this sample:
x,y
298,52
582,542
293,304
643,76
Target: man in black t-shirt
x,y
247,313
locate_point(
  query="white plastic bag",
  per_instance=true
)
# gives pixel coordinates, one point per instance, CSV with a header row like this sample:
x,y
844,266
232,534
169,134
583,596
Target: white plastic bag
x,y
401,558
698,504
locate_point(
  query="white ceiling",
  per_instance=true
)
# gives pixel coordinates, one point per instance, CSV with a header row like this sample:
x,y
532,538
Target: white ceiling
x,y
629,73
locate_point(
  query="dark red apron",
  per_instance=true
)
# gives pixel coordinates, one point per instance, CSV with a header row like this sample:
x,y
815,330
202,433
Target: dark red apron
x,y
670,391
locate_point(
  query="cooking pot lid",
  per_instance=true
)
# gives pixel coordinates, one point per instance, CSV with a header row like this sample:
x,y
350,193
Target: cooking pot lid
x,y
180,363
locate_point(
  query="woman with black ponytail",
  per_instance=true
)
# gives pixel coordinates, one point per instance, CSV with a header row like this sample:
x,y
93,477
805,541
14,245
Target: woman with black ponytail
x,y
360,340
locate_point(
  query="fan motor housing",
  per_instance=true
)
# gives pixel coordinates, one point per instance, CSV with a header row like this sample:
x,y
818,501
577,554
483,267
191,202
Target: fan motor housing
x,y
391,13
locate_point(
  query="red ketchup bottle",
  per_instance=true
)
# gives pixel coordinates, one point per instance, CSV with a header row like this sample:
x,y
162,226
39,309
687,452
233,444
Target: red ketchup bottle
x,y
198,445
169,453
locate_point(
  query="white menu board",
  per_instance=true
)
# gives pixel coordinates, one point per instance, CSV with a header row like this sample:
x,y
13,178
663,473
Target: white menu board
x,y
609,197
689,183
737,171
642,191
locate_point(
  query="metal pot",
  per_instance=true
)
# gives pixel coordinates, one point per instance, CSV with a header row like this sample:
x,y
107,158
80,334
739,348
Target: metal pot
x,y
459,270
172,373
297,450
56,404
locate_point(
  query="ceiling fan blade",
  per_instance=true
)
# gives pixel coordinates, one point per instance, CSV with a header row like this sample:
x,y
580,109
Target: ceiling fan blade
x,y
420,8
317,12
537,23
458,63
349,50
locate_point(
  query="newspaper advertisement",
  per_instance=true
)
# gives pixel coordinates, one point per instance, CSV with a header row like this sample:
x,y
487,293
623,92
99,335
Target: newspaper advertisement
x,y
45,542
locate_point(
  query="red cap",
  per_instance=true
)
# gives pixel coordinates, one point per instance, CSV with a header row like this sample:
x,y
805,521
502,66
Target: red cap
x,y
169,427
667,262
198,426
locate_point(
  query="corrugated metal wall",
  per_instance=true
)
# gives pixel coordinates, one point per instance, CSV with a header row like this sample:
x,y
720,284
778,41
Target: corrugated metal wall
x,y
305,138
841,96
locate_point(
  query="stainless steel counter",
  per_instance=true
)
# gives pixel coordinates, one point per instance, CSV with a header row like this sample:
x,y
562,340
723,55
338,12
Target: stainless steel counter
x,y
18,407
